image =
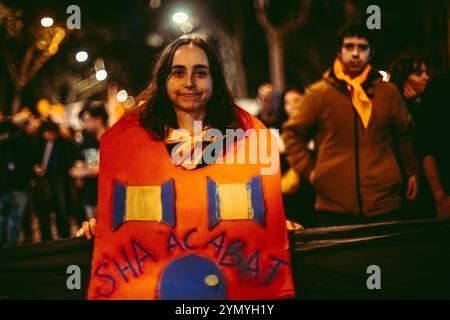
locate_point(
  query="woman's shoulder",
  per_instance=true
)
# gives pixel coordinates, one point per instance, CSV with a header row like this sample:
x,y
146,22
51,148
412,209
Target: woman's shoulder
x,y
128,124
249,121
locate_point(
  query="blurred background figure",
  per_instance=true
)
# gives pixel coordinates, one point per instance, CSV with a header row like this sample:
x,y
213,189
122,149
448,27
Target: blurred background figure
x,y
270,106
298,195
410,75
16,161
30,125
292,99
94,119
433,135
355,147
52,189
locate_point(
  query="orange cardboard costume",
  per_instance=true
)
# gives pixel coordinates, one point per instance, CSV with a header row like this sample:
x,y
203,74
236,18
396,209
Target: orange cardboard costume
x,y
164,232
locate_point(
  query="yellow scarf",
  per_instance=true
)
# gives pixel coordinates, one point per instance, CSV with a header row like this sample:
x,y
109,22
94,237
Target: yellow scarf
x,y
189,148
360,100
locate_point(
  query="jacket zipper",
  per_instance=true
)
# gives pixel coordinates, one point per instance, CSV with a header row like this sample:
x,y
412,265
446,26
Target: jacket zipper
x,y
358,182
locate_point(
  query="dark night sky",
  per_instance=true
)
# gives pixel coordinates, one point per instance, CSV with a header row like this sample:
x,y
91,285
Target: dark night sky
x,y
117,31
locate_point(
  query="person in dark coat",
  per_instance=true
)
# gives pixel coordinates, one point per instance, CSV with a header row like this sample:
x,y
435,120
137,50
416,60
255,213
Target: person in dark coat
x,y
52,191
16,161
433,134
410,75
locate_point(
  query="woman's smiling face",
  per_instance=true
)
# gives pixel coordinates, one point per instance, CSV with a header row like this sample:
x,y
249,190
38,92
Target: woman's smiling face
x,y
190,85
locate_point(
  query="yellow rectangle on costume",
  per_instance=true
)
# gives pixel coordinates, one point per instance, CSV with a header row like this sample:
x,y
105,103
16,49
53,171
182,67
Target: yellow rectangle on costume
x,y
143,204
234,201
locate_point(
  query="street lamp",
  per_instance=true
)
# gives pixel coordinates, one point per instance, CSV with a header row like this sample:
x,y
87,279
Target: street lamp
x,y
81,56
129,102
46,22
101,75
154,40
186,27
122,96
155,4
180,17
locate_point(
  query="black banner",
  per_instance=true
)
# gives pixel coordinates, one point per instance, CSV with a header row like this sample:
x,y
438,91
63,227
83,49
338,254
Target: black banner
x,y
398,260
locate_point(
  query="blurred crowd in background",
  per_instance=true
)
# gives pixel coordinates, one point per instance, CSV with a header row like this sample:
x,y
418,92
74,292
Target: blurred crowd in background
x,y
49,160
49,170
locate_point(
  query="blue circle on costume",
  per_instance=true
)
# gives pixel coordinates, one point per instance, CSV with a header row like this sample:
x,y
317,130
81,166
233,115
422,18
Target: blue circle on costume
x,y
184,279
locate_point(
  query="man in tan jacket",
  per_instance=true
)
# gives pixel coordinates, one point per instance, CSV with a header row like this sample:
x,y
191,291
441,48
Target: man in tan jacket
x,y
362,132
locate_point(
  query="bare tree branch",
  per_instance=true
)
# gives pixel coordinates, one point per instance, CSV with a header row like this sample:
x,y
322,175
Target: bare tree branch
x,y
299,20
275,38
23,78
447,3
261,16
9,61
351,11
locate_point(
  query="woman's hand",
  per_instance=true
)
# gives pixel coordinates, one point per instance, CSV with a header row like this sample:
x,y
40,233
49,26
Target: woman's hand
x,y
443,205
87,229
293,226
38,170
413,188
79,170
92,170
409,92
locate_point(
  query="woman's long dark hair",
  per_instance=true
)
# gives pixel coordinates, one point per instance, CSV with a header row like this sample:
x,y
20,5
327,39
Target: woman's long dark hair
x,y
158,113
402,68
